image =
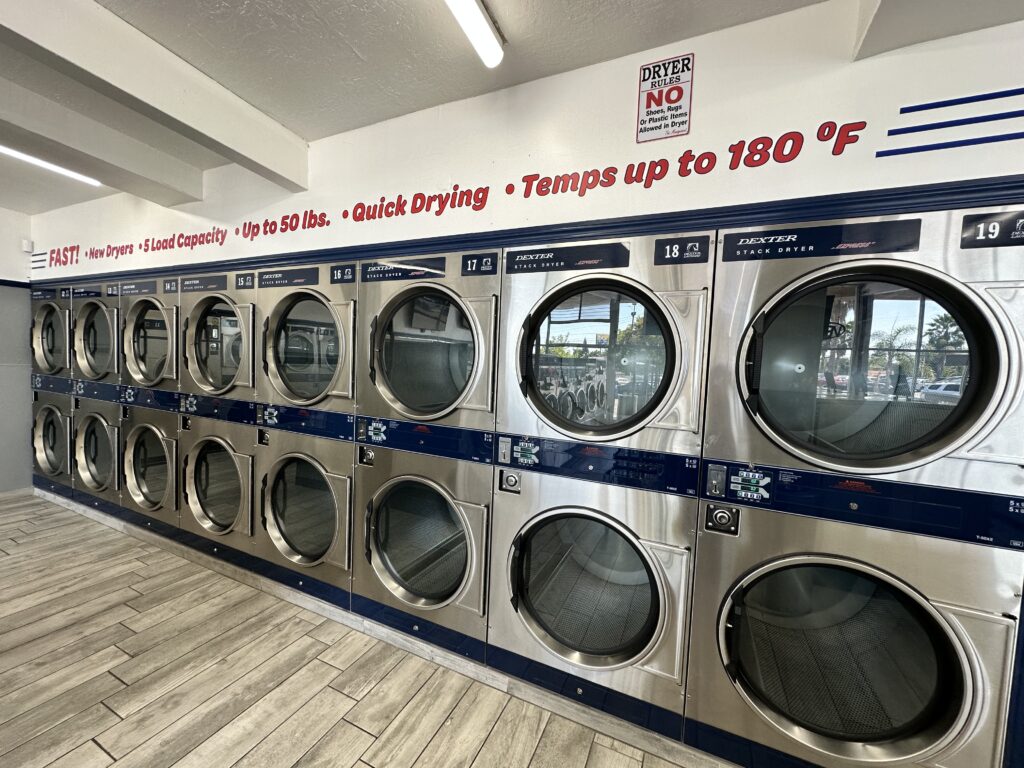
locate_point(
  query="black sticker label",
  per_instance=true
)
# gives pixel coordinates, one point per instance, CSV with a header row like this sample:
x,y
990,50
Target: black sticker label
x,y
343,273
204,283
113,290
171,286
682,250
86,292
410,269
283,277
828,240
598,256
993,230
65,293
245,280
141,288
479,264
44,293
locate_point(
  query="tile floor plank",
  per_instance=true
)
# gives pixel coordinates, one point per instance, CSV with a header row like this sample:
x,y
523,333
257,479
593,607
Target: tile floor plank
x,y
66,618
208,589
565,744
368,670
61,739
68,600
512,741
387,699
606,757
460,737
345,651
86,756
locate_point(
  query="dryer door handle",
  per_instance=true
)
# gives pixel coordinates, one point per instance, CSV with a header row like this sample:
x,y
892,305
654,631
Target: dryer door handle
x,y
263,502
263,348
368,532
516,575
755,355
372,366
524,356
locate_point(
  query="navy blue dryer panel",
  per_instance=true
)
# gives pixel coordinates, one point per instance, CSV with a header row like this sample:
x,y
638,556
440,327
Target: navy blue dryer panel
x,y
650,471
339,426
978,518
433,439
417,626
58,384
151,398
238,411
96,390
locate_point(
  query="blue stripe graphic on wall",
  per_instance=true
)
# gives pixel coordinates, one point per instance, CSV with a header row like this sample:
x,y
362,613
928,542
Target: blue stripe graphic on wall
x,y
955,123
950,144
1006,94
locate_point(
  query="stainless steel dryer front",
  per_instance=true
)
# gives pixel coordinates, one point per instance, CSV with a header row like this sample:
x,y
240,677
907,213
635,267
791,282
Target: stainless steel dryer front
x,y
888,347
308,348
51,331
151,459
97,332
428,330
849,646
97,451
217,465
421,541
305,518
150,333
591,582
605,341
52,441
219,317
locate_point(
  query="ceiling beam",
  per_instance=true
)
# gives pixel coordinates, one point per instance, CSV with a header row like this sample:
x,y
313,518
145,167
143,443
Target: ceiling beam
x,y
886,25
94,46
43,128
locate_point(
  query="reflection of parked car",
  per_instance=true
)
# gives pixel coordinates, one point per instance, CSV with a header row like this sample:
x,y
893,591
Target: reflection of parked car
x,y
941,392
842,381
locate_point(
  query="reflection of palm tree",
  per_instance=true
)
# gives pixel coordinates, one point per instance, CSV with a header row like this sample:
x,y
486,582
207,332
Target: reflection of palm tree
x,y
889,343
943,334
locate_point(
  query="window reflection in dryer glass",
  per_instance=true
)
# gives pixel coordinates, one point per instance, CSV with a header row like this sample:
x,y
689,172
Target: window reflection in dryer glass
x,y
427,352
150,342
97,339
51,340
150,468
843,654
588,587
599,359
98,451
863,369
218,345
218,487
304,508
306,348
421,541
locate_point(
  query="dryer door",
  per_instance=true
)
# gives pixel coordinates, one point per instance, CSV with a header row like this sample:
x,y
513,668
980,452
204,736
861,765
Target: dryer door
x,y
598,358
97,453
50,338
839,655
425,546
219,486
871,367
306,511
432,352
220,344
51,441
587,588
151,333
96,340
150,460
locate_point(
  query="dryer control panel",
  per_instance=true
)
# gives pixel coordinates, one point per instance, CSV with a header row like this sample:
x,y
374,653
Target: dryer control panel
x,y
748,485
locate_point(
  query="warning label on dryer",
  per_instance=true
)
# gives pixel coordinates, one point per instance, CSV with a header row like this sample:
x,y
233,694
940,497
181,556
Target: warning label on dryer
x,y
664,99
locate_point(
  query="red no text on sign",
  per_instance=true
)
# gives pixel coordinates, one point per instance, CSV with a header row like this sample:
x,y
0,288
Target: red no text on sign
x,y
664,98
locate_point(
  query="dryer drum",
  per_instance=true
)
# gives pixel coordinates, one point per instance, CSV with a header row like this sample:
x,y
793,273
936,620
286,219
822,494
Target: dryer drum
x,y
50,441
869,367
50,346
95,340
585,589
218,487
217,346
585,329
150,343
95,453
422,541
304,509
844,655
148,467
306,344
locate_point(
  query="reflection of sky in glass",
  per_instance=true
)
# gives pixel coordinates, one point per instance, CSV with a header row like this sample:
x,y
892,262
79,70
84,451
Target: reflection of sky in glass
x,y
589,332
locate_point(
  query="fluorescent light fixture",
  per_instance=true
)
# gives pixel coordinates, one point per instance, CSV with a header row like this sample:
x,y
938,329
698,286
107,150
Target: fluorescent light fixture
x,y
48,166
479,28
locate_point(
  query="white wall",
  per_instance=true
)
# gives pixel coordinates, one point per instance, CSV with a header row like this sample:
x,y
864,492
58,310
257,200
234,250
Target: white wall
x,y
15,367
787,73
14,227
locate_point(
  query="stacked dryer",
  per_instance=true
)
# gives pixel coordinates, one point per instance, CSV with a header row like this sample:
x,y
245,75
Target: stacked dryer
x,y
603,350
426,371
52,436
861,550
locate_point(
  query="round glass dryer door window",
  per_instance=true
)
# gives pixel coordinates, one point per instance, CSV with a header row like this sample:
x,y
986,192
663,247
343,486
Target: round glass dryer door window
x,y
863,370
427,352
95,453
96,340
306,350
51,441
51,340
422,542
586,589
150,343
218,345
304,510
844,654
602,338
218,487
149,468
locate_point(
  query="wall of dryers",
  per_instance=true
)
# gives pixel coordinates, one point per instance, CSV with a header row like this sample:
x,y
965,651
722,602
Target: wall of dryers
x,y
15,361
789,74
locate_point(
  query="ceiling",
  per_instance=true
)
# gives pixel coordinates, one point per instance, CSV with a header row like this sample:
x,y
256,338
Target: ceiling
x,y
320,67
29,189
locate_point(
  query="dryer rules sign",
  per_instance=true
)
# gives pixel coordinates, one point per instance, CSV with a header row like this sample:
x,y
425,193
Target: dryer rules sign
x,y
665,97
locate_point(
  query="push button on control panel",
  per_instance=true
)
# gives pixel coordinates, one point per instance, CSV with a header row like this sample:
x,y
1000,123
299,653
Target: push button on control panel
x,y
750,485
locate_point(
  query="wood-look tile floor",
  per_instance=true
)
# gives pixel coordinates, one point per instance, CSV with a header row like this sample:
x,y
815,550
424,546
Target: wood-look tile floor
x,y
115,652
